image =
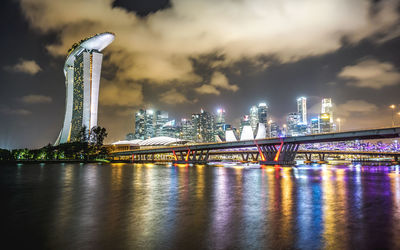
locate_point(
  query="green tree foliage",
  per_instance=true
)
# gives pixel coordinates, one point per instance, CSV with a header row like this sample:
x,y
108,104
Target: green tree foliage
x,y
88,146
5,155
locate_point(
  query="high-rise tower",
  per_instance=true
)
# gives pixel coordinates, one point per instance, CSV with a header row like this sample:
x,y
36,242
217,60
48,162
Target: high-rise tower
x,y
82,79
327,107
302,109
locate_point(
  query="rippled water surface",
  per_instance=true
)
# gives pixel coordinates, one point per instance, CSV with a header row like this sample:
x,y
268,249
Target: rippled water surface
x,y
126,206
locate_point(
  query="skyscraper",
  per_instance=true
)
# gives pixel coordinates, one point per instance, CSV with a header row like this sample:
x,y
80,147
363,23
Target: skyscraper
x,y
220,124
203,126
302,109
253,117
82,70
161,119
187,130
327,107
140,124
325,125
263,113
293,120
150,121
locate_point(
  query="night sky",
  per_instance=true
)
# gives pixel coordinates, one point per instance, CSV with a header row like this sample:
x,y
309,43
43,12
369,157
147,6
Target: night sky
x,y
184,55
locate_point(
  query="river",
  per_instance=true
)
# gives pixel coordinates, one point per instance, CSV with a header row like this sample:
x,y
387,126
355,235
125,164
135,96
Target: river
x,y
147,206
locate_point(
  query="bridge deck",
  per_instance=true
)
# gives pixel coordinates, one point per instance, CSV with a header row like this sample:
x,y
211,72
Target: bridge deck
x,y
370,134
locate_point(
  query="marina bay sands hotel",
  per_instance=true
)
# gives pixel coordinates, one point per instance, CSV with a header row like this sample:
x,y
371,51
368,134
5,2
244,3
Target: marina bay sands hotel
x,y
82,79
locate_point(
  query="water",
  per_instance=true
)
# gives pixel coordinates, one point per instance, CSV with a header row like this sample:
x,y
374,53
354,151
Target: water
x,y
125,206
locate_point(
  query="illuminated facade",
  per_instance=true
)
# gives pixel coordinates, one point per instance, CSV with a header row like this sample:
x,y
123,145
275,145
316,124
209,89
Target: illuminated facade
x,y
244,121
140,124
203,126
314,126
263,113
325,125
186,130
327,107
82,79
254,117
302,109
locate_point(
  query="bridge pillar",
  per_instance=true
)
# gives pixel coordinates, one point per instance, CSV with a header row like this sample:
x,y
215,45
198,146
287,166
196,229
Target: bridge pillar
x,y
308,158
321,157
395,160
192,156
283,155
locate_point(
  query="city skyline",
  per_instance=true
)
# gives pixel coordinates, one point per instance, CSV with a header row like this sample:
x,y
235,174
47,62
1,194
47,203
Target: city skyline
x,y
158,59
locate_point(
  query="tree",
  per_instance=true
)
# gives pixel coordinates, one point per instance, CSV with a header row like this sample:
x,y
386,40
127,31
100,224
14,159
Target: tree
x,y
83,135
5,155
97,136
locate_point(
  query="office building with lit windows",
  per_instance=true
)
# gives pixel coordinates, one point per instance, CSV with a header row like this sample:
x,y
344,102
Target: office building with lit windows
x,y
82,70
254,117
302,109
203,126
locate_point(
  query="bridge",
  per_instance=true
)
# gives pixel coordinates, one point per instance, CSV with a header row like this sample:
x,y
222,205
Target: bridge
x,y
268,151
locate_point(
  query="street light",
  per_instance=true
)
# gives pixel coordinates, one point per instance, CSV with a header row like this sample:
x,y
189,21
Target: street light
x,y
392,107
338,120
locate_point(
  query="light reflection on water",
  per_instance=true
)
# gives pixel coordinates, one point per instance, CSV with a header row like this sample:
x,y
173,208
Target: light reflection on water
x,y
122,206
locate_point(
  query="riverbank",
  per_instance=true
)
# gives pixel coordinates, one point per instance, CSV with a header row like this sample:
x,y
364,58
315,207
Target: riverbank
x,y
54,161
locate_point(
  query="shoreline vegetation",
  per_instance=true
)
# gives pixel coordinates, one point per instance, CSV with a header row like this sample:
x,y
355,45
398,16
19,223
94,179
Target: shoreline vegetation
x,y
88,147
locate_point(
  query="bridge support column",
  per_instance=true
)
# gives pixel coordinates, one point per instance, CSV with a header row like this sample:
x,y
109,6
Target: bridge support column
x,y
322,160
283,155
308,158
192,156
395,160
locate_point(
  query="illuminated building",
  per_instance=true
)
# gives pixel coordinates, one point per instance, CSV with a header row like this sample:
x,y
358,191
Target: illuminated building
x,y
149,123
261,131
220,119
161,119
186,130
140,124
274,129
230,136
294,127
293,120
82,70
244,121
169,129
220,125
325,125
327,107
302,109
150,130
314,126
263,113
247,133
254,117
203,126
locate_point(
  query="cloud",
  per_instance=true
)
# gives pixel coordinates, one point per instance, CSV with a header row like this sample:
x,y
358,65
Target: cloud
x,y
123,94
160,47
12,111
356,107
217,83
370,73
24,66
219,80
33,99
174,97
361,114
207,89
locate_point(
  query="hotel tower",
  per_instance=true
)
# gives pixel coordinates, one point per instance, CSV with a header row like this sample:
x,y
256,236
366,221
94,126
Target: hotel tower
x,y
82,79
